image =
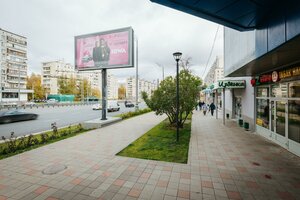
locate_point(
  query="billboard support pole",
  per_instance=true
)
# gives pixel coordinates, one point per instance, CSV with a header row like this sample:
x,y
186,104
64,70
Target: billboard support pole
x,y
104,93
136,78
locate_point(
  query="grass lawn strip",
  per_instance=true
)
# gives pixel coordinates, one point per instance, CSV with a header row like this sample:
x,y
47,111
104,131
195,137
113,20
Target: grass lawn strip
x,y
159,143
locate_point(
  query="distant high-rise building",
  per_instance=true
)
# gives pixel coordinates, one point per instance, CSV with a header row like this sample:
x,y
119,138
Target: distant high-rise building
x,y
112,86
216,72
144,86
13,67
51,71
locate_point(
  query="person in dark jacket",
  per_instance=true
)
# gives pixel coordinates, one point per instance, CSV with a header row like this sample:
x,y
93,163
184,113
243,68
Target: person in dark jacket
x,y
101,53
212,108
97,53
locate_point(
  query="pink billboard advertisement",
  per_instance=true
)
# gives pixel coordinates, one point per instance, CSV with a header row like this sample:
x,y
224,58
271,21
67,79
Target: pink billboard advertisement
x,y
110,49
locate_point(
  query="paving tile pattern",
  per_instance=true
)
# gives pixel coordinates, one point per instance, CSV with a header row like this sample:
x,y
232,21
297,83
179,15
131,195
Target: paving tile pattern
x,y
225,162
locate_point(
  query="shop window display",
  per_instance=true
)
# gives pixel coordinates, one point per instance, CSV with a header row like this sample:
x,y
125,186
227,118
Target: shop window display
x,y
262,114
294,120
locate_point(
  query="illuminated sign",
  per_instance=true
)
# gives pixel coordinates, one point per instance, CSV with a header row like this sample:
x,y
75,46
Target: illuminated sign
x,y
230,84
289,73
276,76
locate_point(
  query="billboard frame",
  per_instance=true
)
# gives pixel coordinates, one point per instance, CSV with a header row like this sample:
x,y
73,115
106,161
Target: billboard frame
x,y
130,49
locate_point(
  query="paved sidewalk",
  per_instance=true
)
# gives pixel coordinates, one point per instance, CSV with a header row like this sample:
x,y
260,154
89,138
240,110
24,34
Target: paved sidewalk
x,y
224,163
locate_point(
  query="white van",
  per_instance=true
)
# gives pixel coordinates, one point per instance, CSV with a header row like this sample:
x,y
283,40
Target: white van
x,y
112,106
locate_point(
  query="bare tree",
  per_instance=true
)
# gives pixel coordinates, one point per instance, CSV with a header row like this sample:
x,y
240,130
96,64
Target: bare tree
x,y
185,63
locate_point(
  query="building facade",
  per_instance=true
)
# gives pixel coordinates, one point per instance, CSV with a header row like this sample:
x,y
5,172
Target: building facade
x,y
268,56
144,86
216,71
112,86
52,71
13,67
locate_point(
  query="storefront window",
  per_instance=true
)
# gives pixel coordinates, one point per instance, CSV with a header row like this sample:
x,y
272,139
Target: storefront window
x,y
280,117
262,113
294,89
279,90
262,92
294,120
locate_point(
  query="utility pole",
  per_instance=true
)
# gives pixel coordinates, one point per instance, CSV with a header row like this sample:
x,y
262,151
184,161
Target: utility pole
x,y
163,70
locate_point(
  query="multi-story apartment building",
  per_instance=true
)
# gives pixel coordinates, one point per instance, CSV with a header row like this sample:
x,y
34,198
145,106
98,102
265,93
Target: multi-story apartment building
x,y
112,86
144,86
93,78
51,71
216,72
13,67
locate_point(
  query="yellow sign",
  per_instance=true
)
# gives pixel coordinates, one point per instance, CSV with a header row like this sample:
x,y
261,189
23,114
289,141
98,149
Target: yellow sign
x,y
259,122
289,73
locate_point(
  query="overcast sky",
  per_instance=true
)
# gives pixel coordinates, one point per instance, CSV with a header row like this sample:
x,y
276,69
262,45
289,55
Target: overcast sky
x,y
50,27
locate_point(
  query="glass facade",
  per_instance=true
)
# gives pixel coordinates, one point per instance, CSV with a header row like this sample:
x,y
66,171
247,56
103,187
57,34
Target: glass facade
x,y
262,112
278,110
294,120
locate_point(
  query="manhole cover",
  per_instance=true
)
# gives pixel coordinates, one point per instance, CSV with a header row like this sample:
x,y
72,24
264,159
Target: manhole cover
x,y
54,169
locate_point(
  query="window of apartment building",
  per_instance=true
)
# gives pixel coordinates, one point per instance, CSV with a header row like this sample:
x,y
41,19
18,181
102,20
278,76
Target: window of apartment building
x,y
7,95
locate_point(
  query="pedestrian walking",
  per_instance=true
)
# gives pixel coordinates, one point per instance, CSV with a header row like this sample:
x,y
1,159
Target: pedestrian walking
x,y
200,105
204,108
212,108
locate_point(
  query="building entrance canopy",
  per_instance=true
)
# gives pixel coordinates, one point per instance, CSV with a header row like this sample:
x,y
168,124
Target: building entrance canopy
x,y
241,15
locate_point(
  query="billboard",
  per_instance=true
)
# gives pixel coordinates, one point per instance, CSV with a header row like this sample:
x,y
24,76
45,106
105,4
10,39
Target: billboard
x,y
104,50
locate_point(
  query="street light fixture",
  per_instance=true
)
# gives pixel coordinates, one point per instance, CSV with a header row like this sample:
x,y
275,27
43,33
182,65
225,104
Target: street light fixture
x,y
177,57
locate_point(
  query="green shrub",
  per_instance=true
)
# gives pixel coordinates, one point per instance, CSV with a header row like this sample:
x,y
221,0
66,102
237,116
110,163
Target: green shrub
x,y
12,146
135,113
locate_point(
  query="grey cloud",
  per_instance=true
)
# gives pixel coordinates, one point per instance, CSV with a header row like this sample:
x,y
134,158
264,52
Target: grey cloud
x,y
50,26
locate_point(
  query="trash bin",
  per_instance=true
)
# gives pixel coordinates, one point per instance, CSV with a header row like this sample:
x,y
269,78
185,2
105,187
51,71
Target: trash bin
x,y
246,126
241,122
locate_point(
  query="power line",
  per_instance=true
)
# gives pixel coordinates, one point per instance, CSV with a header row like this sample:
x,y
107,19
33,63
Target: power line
x,y
211,50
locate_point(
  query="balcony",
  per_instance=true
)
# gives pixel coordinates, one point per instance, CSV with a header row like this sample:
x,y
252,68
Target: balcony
x,y
16,81
13,74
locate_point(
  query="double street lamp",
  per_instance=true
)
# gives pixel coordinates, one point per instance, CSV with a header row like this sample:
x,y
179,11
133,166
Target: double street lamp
x,y
177,57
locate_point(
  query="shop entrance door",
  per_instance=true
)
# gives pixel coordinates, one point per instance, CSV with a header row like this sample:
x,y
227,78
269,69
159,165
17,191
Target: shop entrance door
x,y
279,122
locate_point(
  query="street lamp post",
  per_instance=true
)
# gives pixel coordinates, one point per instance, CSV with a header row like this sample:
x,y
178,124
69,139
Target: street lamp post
x,y
177,57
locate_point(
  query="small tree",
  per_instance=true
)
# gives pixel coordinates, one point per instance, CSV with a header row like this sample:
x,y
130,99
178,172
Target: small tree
x,y
34,82
96,92
122,92
163,100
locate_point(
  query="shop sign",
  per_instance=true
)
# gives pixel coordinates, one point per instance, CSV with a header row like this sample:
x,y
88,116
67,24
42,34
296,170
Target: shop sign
x,y
230,84
289,73
276,76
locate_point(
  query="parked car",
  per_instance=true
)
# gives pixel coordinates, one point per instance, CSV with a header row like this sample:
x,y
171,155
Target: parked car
x,y
51,101
16,115
128,104
29,103
97,107
113,106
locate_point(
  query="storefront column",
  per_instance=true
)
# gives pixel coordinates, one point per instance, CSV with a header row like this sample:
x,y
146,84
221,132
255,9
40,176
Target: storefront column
x,y
216,103
223,104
